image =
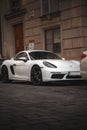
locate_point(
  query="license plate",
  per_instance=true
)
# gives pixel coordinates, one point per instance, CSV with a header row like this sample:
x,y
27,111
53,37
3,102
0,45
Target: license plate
x,y
74,73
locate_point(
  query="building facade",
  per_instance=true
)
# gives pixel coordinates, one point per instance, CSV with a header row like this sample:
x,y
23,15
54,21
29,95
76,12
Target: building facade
x,y
56,25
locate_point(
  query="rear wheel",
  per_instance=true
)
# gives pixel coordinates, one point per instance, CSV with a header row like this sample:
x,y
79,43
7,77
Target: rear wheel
x,y
4,74
36,75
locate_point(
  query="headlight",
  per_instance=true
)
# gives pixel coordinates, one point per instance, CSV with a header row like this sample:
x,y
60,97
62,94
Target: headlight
x,y
47,64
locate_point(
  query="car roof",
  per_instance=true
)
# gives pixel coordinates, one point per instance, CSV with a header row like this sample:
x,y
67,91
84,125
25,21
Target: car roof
x,y
28,51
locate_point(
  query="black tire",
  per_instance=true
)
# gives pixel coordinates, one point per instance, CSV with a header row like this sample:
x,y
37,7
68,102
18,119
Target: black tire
x,y
4,74
36,75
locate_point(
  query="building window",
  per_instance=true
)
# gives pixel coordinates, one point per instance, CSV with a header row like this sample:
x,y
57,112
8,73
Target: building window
x,y
15,5
50,6
53,42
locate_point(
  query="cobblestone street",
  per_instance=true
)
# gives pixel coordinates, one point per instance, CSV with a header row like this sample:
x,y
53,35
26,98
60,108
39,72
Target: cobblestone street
x,y
60,106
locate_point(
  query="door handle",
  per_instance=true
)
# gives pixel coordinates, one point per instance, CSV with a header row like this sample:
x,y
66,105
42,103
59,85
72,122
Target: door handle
x,y
14,64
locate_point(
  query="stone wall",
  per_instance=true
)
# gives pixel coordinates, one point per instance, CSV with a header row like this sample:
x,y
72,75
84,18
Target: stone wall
x,y
72,28
72,22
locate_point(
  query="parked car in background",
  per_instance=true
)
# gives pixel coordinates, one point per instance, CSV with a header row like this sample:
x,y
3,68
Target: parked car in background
x,y
83,65
1,61
39,66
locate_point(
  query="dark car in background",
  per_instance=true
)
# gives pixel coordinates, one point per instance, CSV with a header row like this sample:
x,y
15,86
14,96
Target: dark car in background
x,y
1,61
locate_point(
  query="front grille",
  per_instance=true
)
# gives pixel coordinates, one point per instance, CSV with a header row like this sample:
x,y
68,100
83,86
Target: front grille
x,y
57,76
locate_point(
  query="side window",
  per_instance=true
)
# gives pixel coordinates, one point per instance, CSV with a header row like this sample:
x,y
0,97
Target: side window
x,y
23,54
53,42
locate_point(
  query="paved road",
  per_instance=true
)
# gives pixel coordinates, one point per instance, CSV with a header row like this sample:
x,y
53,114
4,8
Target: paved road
x,y
59,106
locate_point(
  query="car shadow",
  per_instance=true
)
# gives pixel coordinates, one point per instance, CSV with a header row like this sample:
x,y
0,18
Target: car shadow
x,y
56,84
66,83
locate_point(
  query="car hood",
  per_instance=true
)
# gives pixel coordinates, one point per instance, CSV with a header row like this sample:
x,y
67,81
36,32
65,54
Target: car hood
x,y
64,63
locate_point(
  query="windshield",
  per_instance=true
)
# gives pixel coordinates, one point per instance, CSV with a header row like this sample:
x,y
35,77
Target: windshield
x,y
43,55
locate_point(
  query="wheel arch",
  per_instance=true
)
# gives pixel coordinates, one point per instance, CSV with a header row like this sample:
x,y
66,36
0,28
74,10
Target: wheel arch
x,y
4,74
3,67
35,65
32,68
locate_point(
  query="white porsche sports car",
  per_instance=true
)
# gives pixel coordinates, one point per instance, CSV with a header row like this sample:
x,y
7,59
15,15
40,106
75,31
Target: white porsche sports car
x,y
39,66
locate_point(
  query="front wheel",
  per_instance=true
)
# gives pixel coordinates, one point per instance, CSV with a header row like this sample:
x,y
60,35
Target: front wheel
x,y
36,75
4,74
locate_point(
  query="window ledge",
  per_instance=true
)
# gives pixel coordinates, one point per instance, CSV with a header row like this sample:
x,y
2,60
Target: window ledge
x,y
15,14
50,16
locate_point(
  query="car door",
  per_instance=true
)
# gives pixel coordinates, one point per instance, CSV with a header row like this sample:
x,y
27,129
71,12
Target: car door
x,y
20,67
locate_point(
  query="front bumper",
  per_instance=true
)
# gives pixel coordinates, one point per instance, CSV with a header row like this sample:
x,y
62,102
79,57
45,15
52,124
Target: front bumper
x,y
59,76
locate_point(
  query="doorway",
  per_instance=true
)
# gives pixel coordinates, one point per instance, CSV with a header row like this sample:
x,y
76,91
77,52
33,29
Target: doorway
x,y
19,43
